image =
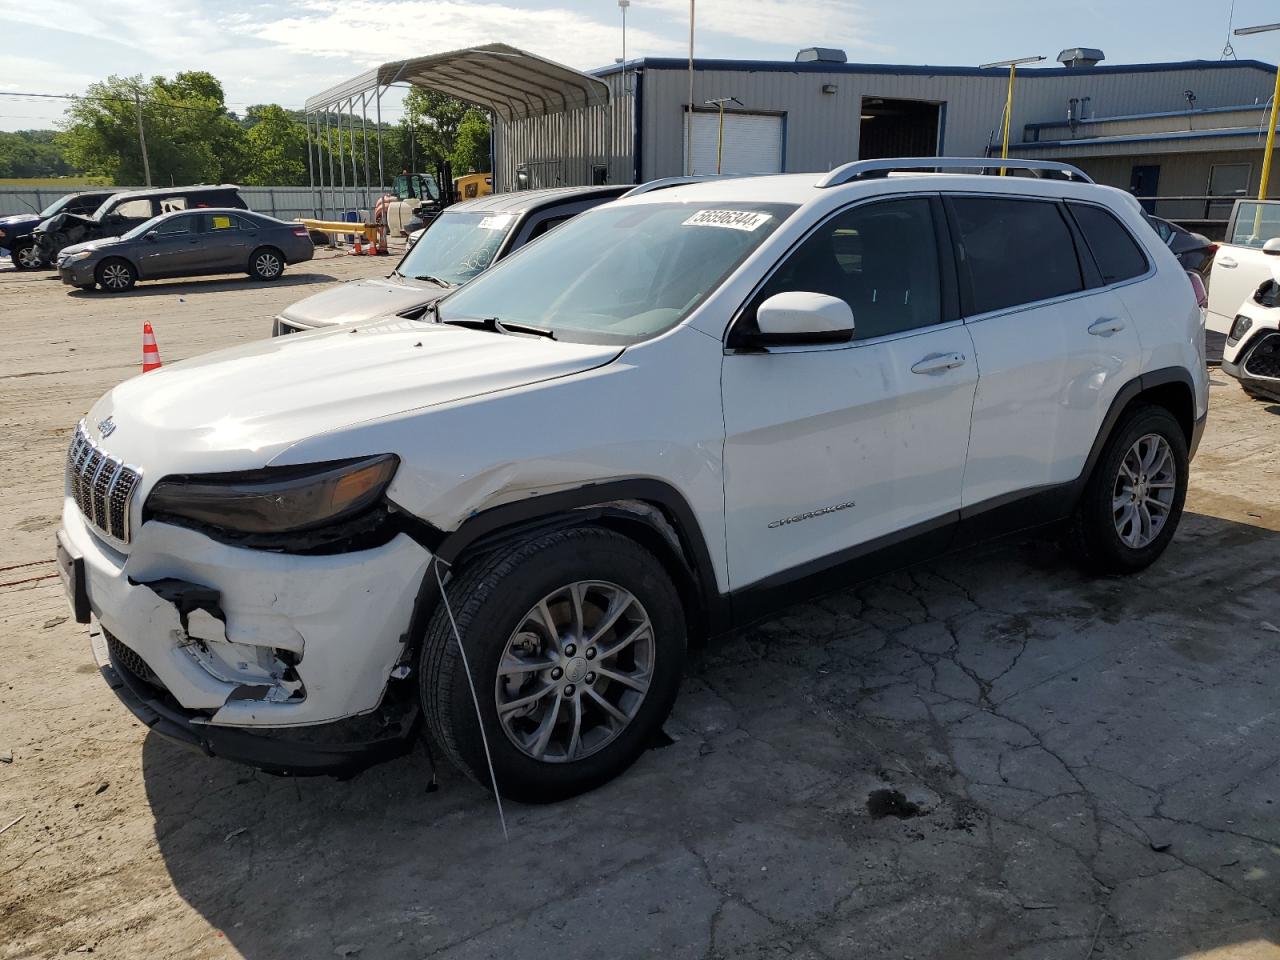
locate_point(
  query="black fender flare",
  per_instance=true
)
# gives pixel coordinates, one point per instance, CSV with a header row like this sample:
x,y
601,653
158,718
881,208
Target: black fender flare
x,y
603,503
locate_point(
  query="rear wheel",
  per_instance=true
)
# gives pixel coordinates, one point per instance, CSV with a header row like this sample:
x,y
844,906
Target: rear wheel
x,y
266,263
1133,500
576,643
26,255
116,275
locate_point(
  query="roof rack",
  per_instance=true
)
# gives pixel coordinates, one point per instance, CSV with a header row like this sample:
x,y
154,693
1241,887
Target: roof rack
x,y
872,169
662,183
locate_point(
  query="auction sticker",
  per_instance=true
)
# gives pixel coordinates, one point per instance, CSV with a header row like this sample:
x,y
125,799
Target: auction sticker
x,y
497,221
730,219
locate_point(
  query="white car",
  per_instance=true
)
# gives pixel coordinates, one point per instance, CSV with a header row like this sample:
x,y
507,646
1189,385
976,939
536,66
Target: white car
x,y
670,416
1243,261
1252,351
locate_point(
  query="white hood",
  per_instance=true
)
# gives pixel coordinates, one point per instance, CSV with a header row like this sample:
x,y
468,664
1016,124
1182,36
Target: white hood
x,y
236,409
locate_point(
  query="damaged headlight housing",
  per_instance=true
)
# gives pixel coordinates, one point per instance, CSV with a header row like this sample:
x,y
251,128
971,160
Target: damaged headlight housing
x,y
276,500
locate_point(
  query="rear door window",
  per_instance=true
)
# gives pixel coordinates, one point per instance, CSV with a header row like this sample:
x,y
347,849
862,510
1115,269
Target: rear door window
x,y
1012,251
1114,250
220,222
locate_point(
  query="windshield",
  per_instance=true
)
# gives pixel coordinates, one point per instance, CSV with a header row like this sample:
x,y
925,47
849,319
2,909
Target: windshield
x,y
457,246
618,274
57,205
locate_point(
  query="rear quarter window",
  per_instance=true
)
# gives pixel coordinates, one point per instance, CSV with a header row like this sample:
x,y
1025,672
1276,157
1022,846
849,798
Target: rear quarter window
x,y
1117,255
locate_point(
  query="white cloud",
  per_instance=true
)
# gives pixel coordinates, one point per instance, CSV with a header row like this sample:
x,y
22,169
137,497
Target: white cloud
x,y
793,23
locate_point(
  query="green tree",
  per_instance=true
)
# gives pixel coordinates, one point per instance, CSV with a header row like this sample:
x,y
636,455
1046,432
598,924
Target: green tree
x,y
191,137
275,147
437,122
32,153
471,146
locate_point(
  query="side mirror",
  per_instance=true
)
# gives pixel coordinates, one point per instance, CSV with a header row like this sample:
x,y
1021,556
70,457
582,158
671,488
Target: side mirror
x,y
151,235
1272,247
798,318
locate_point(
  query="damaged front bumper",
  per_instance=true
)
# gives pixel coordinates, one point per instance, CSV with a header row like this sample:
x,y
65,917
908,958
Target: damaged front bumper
x,y
281,661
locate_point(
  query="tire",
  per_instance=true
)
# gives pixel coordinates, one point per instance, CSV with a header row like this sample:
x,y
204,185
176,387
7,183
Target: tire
x,y
26,256
1108,539
266,263
115,275
492,602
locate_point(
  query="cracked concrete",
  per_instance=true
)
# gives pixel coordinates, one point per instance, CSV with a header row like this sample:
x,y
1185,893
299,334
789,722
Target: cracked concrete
x,y
1094,760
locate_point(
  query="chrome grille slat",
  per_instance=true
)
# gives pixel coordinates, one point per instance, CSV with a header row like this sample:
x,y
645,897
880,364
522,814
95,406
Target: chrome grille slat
x,y
102,486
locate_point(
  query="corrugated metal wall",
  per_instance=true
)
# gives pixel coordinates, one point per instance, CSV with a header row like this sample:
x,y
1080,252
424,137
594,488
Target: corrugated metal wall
x,y
822,128
564,148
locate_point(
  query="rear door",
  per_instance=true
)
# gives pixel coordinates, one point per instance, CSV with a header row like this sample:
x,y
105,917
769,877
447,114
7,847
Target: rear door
x,y
225,240
1053,340
1240,265
830,448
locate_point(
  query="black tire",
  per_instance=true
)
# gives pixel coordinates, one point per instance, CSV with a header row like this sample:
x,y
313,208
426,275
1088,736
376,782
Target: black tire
x,y
266,263
26,255
1092,536
115,275
490,599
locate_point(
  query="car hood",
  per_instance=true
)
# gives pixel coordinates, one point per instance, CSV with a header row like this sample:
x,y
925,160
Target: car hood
x,y
236,409
361,300
88,245
19,220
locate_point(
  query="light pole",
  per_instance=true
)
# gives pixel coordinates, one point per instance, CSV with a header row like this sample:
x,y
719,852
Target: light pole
x,y
688,120
622,5
1271,128
720,102
1008,101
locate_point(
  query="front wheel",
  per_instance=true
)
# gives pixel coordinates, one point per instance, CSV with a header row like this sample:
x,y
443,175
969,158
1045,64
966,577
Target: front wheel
x,y
26,256
266,264
1133,500
576,643
116,276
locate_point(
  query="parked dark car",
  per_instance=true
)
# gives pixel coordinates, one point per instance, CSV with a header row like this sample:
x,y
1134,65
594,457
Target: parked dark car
x,y
123,211
1193,250
464,240
16,231
187,244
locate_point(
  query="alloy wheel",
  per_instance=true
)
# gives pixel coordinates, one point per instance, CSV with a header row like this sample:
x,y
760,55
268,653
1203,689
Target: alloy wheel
x,y
268,264
1143,495
29,257
115,276
575,671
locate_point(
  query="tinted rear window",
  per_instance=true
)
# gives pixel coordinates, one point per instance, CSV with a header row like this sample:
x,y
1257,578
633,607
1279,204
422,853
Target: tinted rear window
x,y
1114,250
1013,252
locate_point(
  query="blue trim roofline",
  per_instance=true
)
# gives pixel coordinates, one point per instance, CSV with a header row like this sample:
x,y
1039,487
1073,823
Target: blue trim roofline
x,y
1044,124
788,66
1139,138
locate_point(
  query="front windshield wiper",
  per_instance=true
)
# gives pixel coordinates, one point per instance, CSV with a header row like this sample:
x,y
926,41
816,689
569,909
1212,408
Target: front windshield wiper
x,y
499,326
436,280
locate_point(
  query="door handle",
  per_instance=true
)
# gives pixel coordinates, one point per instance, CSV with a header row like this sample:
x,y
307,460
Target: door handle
x,y
1228,263
938,362
1105,326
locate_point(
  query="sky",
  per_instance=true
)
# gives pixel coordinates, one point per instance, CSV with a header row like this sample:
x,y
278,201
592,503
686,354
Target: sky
x,y
273,52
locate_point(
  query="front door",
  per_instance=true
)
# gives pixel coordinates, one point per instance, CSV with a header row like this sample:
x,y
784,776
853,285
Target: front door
x,y
830,448
1053,349
172,250
1144,181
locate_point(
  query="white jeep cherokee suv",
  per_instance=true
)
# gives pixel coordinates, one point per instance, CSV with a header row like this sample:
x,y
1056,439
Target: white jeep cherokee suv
x,y
668,417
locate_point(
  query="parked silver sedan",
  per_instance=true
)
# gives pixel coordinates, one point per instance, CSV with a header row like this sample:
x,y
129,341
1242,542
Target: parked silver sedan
x,y
187,243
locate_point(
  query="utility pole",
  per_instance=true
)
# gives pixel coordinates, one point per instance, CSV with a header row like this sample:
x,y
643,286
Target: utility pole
x,y
688,120
720,102
1008,102
142,137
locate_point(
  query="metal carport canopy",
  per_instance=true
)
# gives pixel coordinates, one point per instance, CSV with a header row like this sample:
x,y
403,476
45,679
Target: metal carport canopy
x,y
513,83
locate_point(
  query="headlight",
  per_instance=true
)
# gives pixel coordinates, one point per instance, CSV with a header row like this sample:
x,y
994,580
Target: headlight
x,y
1239,329
277,499
82,255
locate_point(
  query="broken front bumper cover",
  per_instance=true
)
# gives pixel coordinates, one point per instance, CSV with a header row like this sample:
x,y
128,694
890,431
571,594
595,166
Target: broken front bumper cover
x,y
281,752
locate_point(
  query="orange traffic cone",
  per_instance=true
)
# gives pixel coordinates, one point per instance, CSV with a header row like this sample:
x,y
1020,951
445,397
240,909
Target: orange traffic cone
x,y
150,352
382,240
358,249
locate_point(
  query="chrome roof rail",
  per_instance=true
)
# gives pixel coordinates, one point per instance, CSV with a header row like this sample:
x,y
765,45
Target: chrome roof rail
x,y
663,183
871,169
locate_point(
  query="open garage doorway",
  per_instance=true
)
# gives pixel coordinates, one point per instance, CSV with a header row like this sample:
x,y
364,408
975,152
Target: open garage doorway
x,y
898,128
